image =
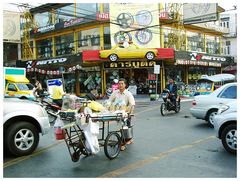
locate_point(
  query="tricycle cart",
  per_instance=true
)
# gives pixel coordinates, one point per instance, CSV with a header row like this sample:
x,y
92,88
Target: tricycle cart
x,y
111,140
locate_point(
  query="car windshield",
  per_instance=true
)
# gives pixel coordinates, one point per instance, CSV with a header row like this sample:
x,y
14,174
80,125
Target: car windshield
x,y
24,86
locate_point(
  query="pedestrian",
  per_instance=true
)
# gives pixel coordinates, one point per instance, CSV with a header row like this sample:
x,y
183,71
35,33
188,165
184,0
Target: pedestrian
x,y
57,93
124,97
172,87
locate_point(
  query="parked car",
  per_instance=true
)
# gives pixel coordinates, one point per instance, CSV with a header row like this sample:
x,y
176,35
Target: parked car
x,y
225,125
206,106
131,51
23,120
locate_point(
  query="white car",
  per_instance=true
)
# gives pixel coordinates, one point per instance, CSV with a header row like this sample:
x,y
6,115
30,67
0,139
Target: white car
x,y
23,120
225,125
206,106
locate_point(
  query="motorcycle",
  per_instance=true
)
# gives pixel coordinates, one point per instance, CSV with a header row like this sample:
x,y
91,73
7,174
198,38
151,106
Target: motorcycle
x,y
168,105
51,107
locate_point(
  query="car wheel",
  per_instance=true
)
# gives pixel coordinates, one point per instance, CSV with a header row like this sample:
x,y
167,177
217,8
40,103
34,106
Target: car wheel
x,y
229,138
22,138
113,57
150,55
210,115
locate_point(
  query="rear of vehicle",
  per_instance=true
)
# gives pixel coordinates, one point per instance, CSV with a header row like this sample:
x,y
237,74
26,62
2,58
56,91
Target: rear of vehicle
x,y
23,120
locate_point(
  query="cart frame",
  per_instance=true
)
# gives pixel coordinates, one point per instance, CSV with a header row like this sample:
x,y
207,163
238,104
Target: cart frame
x,y
75,138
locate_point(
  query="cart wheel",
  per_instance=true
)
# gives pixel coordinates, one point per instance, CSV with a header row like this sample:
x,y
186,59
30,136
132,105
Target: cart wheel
x,y
112,145
75,156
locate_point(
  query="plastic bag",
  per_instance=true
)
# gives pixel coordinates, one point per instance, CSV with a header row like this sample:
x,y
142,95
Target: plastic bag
x,y
91,142
91,132
58,123
93,127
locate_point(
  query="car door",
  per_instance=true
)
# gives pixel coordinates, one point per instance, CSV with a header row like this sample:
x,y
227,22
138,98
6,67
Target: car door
x,y
228,94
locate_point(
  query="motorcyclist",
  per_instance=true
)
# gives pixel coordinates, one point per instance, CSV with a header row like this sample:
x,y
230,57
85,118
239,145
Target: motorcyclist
x,y
172,87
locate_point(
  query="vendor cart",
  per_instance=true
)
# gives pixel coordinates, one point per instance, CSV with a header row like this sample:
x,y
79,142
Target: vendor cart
x,y
76,138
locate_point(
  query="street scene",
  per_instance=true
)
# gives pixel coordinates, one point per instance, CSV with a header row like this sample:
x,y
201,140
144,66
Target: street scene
x,y
120,90
175,146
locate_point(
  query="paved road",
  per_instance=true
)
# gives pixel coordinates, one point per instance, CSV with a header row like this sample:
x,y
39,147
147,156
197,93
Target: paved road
x,y
174,146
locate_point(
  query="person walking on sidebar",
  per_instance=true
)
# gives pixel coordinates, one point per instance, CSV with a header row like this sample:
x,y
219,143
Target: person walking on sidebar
x,y
57,93
172,87
124,97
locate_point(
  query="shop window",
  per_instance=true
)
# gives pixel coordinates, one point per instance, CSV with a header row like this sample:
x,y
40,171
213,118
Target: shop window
x,y
195,42
107,38
64,44
89,39
44,48
65,13
43,19
174,38
86,9
212,45
90,80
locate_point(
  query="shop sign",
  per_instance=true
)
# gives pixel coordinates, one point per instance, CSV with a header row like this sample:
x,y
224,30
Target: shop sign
x,y
201,63
31,63
195,58
102,16
163,15
44,29
129,64
73,22
199,56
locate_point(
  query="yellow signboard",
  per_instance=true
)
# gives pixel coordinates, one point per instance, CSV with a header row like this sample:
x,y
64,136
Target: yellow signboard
x,y
137,23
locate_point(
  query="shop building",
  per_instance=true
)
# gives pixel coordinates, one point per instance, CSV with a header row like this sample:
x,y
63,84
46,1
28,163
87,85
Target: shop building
x,y
68,37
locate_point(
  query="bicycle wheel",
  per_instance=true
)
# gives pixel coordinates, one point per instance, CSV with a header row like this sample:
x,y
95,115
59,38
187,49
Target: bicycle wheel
x,y
112,145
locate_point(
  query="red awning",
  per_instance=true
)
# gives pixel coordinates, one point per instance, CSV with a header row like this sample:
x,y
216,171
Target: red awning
x,y
93,55
165,53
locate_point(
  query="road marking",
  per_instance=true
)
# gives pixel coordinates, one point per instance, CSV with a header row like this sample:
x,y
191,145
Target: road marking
x,y
17,160
152,159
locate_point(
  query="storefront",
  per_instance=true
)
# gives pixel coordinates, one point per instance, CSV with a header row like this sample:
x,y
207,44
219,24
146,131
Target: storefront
x,y
190,66
139,73
59,67
136,73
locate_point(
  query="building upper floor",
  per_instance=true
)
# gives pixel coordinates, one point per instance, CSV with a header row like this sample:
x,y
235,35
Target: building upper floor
x,y
69,28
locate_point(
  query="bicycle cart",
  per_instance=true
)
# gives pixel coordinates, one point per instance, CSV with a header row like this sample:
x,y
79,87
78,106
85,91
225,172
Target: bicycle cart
x,y
76,138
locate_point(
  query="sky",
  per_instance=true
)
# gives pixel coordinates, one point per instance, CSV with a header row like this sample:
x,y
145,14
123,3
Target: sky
x,y
223,3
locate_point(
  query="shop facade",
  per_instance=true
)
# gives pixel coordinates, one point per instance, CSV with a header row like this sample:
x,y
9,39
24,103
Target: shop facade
x,y
65,35
190,66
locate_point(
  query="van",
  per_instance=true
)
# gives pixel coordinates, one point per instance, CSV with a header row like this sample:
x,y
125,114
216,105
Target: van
x,y
18,86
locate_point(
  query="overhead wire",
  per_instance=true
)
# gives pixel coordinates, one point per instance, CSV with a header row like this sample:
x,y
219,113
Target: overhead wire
x,y
136,29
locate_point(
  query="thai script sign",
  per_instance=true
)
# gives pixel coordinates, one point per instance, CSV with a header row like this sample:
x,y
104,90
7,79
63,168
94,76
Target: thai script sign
x,y
130,64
